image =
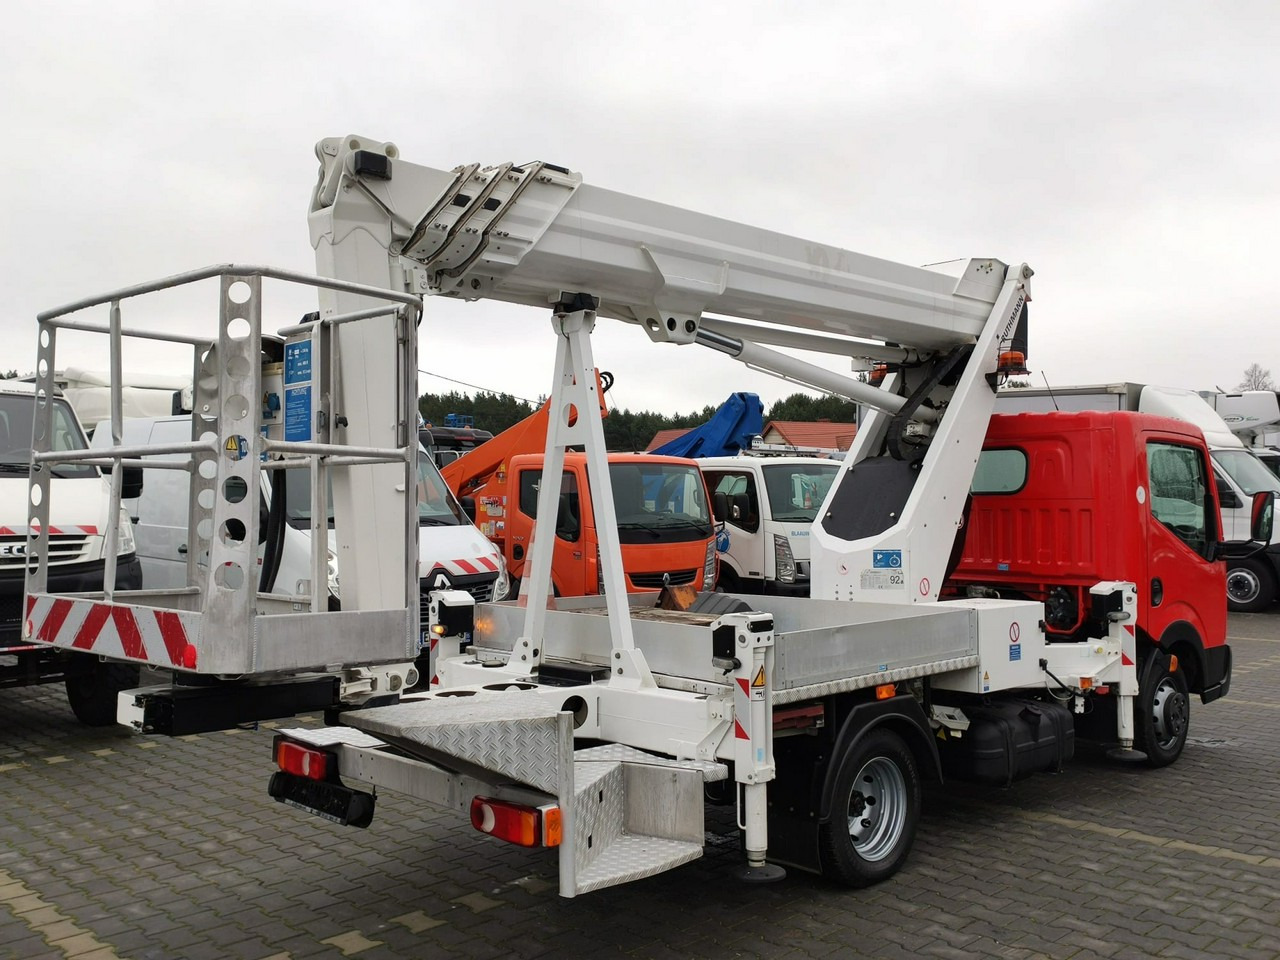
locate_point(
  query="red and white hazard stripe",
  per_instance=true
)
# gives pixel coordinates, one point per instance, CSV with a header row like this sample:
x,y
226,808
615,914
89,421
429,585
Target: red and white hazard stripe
x,y
114,630
53,531
468,568
742,709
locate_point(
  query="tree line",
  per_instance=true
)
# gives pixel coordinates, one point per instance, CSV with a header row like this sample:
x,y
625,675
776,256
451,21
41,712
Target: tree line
x,y
624,430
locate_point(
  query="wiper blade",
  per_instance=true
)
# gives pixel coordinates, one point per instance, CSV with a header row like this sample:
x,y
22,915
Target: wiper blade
x,y
24,468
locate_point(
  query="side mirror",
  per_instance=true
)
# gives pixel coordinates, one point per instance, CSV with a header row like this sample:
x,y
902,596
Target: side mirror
x,y
720,506
469,507
1227,498
130,483
1262,516
1261,520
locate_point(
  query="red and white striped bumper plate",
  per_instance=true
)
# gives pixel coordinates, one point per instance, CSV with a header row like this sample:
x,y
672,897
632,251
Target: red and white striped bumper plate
x,y
467,568
159,637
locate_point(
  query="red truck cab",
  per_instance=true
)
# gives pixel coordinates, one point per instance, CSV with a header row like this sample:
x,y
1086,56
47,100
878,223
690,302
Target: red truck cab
x,y
1062,501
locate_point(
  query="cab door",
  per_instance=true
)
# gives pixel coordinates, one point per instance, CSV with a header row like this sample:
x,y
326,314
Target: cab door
x,y
568,558
742,544
1183,583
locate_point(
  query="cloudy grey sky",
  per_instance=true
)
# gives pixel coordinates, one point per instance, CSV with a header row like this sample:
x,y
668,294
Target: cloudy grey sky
x,y
1125,150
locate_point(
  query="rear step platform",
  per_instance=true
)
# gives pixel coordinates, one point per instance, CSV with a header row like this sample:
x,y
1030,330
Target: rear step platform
x,y
627,814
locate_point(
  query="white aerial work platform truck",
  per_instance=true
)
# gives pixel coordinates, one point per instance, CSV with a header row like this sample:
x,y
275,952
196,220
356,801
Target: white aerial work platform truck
x,y
598,726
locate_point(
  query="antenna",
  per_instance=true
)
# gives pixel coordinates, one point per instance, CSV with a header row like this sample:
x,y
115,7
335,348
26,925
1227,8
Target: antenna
x,y
1050,389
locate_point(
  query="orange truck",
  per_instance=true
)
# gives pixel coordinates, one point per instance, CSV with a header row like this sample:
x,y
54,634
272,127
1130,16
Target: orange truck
x,y
664,513
664,522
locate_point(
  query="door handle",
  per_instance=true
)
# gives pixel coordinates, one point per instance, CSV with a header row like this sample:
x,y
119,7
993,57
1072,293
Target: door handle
x,y
1157,591
183,550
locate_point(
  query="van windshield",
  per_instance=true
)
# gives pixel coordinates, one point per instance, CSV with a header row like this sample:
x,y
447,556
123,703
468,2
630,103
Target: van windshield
x,y
15,436
436,505
796,490
1248,472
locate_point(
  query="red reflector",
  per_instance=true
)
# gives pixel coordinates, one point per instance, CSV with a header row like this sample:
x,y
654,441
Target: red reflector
x,y
515,822
302,761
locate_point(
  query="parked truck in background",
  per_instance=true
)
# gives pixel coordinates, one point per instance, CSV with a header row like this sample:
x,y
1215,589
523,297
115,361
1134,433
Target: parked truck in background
x,y
1253,416
664,522
664,514
767,504
78,544
445,444
1253,581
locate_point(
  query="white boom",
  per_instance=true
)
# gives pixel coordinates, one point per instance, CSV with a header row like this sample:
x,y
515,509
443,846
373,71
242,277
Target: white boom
x,y
536,234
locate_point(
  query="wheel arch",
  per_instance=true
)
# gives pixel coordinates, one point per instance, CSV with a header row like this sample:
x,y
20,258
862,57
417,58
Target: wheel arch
x,y
1183,640
902,715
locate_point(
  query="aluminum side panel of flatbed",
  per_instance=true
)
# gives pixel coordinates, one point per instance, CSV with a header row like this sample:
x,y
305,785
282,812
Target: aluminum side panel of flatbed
x,y
818,642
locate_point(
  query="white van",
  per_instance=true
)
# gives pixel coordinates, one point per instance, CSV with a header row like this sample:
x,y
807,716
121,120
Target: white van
x,y
767,504
452,553
79,498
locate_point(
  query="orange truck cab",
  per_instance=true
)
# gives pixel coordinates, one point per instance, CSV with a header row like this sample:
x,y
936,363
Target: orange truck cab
x,y
664,522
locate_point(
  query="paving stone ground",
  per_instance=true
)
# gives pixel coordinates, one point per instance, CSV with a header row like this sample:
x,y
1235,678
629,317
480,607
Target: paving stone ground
x,y
114,846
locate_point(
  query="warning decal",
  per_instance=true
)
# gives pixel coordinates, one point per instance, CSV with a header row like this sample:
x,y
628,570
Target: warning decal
x,y
757,685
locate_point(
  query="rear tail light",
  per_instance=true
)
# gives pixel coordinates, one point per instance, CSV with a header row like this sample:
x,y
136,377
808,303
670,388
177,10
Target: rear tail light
x,y
709,566
517,823
303,761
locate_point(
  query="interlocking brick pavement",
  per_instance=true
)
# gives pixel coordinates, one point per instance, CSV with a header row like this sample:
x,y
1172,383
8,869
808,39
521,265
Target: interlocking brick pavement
x,y
116,846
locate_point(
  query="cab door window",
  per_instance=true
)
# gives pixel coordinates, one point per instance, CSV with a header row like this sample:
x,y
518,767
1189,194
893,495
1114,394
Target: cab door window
x,y
739,488
1179,486
568,515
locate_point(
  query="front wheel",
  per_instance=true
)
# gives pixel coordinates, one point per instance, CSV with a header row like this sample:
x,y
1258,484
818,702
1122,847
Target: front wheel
x,y
1250,586
875,810
1162,713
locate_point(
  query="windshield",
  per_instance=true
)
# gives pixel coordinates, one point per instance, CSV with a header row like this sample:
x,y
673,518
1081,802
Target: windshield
x,y
659,500
796,490
15,436
436,505
1248,472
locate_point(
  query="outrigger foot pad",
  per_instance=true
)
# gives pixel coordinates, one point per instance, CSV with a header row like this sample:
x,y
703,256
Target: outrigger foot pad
x,y
1126,755
765,873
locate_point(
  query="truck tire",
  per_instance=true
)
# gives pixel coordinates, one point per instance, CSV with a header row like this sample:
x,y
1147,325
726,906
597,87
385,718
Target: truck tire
x,y
92,688
1162,713
874,811
1250,586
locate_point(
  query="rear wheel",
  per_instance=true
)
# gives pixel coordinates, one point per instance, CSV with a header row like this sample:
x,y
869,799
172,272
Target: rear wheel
x,y
1250,586
874,813
1162,714
92,688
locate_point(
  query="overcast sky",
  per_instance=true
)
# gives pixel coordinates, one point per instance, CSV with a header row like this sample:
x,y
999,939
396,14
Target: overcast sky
x,y
1126,151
